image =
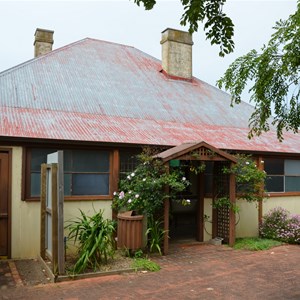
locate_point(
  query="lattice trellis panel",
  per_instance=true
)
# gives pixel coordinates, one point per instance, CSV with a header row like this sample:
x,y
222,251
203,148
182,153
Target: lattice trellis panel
x,y
221,189
223,219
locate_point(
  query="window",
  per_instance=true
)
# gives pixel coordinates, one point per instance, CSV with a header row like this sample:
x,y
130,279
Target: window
x,y
283,175
128,162
37,157
86,172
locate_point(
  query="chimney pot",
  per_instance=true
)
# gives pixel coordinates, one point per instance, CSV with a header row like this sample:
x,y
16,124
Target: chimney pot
x,y
43,41
177,53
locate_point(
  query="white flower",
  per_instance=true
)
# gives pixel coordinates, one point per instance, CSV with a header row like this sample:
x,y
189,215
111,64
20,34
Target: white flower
x,y
132,174
262,162
247,162
128,177
129,192
188,201
183,179
129,201
144,179
115,193
137,195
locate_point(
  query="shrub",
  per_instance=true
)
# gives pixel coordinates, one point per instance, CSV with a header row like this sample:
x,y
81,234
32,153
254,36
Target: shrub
x,y
95,237
279,224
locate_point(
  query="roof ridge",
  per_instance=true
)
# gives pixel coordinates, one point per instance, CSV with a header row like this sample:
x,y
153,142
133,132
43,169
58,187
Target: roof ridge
x,y
34,59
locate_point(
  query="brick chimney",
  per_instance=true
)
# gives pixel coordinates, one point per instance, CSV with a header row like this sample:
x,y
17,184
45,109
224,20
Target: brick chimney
x,y
177,53
43,41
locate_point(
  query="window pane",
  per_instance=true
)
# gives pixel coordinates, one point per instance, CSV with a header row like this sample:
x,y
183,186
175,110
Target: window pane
x,y
38,157
35,184
292,167
67,160
128,161
67,184
274,184
90,161
292,184
90,184
274,166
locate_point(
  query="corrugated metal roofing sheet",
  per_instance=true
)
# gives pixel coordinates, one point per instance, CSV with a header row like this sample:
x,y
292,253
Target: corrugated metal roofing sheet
x,y
98,91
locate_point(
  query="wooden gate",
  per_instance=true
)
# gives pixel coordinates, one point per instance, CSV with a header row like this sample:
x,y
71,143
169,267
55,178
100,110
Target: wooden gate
x,y
4,205
52,196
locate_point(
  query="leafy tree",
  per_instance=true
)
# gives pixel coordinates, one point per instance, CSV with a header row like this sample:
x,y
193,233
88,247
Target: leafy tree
x,y
218,27
274,76
273,73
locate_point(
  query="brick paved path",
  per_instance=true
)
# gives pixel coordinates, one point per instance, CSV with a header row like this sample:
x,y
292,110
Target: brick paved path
x,y
189,272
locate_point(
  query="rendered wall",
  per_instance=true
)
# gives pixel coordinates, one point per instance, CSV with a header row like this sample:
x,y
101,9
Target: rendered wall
x,y
246,219
248,223
291,203
207,235
25,216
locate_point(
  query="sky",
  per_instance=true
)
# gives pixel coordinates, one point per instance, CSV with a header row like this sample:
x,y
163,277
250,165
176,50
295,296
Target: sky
x,y
123,22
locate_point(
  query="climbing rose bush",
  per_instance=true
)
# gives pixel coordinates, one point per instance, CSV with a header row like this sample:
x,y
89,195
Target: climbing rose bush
x,y
279,224
144,189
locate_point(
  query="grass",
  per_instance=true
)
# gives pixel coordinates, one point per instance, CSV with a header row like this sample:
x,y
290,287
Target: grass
x,y
255,244
145,264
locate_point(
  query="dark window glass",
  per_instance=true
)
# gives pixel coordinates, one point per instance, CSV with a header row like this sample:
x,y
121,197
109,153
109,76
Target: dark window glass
x,y
67,184
274,166
292,183
35,184
38,157
292,167
275,184
90,184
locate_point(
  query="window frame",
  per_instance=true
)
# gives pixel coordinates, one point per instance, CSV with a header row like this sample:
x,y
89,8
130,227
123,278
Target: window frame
x,y
283,193
26,178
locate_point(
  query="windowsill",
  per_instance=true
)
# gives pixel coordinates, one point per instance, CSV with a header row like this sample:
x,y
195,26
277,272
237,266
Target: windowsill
x,y
75,198
282,194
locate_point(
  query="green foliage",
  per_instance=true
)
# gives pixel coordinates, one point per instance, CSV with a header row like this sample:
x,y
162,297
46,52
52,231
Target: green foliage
x,y
249,179
145,264
279,225
139,253
144,189
95,237
274,75
155,235
225,202
218,27
255,244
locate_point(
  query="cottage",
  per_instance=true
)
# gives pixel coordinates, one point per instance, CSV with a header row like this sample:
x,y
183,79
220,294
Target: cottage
x,y
100,102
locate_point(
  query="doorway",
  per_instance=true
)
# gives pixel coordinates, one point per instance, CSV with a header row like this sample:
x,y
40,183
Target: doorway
x,y
5,204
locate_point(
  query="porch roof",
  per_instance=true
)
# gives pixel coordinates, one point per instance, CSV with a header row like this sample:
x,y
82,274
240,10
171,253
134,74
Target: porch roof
x,y
200,151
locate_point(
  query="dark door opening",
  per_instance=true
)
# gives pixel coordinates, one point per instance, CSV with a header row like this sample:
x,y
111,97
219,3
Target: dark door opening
x,y
4,205
184,219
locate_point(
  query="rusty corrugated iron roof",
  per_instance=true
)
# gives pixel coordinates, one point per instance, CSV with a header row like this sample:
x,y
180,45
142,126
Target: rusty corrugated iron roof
x,y
98,91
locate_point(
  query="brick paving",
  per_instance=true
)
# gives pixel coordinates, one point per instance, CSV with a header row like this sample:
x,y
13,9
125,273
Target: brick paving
x,y
197,271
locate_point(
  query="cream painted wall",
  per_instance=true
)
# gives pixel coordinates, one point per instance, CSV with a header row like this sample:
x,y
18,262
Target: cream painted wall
x,y
25,216
291,203
246,219
71,212
207,235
